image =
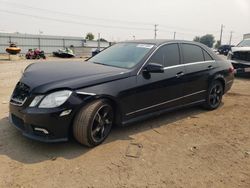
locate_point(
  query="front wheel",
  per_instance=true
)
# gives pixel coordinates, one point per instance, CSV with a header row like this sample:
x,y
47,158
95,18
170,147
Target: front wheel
x,y
93,123
214,96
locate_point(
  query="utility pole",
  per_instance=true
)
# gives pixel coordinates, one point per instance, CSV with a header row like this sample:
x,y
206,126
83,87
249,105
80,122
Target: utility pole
x,y
221,31
156,30
174,35
231,35
98,42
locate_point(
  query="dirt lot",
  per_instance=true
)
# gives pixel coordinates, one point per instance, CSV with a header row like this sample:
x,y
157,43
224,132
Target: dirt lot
x,y
187,148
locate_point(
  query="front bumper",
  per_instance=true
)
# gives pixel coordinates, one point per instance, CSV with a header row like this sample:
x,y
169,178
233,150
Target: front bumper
x,y
40,125
45,125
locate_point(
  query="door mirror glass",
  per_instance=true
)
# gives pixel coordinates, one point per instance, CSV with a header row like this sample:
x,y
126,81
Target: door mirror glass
x,y
154,68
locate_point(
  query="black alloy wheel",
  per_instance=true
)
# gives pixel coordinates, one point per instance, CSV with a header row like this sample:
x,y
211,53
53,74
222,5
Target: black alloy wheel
x,y
93,123
214,96
102,123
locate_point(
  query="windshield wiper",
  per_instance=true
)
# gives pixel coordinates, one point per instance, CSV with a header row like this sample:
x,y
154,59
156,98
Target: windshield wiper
x,y
102,64
98,63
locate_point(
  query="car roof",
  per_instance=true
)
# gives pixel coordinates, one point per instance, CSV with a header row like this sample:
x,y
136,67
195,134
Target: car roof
x,y
160,41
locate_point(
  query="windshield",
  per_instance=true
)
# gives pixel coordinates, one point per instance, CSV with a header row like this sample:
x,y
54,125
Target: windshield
x,y
244,43
123,55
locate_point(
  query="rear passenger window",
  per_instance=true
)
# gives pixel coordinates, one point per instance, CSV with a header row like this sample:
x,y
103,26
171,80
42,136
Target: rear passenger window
x,y
207,56
167,55
192,53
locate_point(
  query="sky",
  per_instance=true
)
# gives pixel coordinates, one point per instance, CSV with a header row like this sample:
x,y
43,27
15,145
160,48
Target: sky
x,y
118,20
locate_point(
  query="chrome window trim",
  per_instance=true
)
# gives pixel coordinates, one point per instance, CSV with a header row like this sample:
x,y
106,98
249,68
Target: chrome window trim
x,y
187,64
159,104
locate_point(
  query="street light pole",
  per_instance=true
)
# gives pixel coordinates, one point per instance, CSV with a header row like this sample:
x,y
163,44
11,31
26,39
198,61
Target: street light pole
x,y
231,35
221,32
156,30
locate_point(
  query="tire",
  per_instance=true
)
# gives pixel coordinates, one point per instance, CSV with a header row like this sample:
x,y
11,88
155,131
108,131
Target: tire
x,y
214,95
93,123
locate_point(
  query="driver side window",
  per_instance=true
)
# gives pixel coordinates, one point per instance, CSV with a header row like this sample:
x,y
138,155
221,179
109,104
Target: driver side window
x,y
167,55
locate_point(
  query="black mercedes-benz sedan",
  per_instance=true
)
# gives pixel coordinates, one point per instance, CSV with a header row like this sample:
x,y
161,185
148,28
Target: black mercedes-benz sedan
x,y
126,82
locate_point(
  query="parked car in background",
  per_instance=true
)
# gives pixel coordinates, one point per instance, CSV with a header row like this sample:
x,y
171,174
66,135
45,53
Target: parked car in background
x,y
224,49
241,56
124,83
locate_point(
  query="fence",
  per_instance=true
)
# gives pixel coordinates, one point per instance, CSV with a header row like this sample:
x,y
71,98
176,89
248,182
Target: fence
x,y
46,43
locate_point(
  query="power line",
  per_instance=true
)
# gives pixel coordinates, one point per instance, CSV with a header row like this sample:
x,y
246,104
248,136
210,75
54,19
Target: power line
x,y
184,31
94,18
188,29
72,22
74,15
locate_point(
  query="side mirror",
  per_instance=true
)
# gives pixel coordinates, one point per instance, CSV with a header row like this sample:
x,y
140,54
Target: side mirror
x,y
153,68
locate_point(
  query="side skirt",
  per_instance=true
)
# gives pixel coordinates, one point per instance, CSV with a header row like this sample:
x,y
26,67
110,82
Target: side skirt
x,y
159,112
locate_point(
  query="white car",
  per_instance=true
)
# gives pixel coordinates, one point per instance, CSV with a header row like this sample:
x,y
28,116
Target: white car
x,y
241,56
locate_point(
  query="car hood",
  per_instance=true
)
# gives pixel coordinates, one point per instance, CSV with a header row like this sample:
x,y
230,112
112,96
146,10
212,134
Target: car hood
x,y
44,77
240,49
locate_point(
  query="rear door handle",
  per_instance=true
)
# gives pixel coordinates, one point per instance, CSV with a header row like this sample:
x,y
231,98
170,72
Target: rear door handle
x,y
179,74
210,67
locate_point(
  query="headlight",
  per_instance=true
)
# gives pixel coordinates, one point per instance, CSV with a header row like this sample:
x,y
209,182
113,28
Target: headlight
x,y
54,99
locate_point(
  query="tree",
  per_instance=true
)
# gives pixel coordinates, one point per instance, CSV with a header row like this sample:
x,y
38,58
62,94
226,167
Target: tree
x,y
102,40
89,36
217,45
207,39
197,39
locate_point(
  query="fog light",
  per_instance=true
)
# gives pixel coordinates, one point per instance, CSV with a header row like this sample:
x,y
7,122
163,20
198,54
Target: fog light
x,y
66,112
41,130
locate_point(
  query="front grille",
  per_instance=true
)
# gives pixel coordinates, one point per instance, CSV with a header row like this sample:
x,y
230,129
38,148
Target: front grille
x,y
20,94
17,122
245,56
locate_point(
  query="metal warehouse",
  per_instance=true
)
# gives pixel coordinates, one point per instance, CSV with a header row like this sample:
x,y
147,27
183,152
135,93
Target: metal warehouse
x,y
45,42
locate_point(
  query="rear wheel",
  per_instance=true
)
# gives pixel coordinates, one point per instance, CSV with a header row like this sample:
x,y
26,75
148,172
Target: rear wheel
x,y
93,123
214,95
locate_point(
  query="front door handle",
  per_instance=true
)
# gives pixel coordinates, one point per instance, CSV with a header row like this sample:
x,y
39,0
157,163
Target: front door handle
x,y
179,74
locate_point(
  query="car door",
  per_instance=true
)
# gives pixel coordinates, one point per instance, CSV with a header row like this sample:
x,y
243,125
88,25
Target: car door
x,y
198,64
157,91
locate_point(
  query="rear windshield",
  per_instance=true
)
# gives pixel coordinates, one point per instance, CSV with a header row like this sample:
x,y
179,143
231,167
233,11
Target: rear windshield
x,y
244,43
123,55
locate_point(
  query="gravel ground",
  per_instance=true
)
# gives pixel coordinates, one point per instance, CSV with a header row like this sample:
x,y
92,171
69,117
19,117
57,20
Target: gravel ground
x,y
186,148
